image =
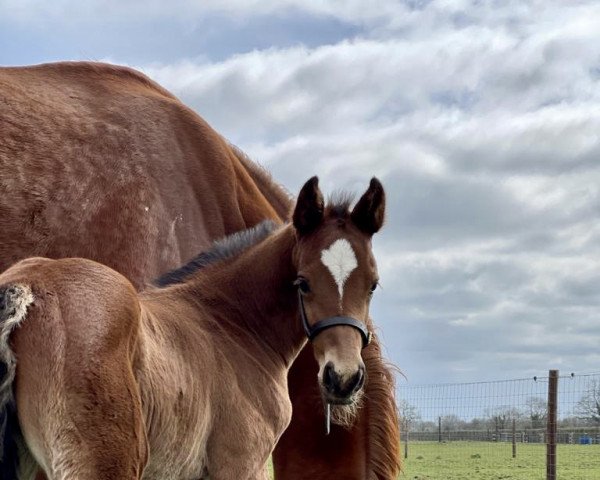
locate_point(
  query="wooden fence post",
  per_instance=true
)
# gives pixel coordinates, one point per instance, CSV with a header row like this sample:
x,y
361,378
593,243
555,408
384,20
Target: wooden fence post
x,y
551,430
439,429
514,439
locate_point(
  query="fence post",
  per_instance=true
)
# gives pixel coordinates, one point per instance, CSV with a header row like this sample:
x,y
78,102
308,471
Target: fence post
x,y
514,439
551,425
440,429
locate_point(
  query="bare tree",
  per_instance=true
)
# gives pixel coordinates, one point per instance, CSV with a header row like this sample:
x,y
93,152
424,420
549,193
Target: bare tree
x,y
408,414
451,423
537,410
500,417
588,407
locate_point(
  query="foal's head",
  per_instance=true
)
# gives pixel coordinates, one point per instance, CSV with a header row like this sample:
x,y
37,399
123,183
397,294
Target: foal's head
x,y
337,275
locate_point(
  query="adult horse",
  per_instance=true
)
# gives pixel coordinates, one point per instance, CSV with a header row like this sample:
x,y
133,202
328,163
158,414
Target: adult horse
x,y
100,162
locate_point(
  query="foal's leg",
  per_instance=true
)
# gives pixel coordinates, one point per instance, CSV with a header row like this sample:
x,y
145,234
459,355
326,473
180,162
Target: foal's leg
x,y
77,400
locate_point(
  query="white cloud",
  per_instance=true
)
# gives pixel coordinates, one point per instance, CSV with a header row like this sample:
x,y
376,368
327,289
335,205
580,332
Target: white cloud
x,y
483,124
482,120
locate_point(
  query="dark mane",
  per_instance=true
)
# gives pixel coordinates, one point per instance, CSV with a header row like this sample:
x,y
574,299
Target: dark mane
x,y
338,205
281,200
227,247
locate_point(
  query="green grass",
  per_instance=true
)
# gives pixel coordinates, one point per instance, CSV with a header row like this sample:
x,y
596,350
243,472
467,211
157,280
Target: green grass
x,y
493,461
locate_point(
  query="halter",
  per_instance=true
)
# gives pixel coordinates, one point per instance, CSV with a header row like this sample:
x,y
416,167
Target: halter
x,y
312,332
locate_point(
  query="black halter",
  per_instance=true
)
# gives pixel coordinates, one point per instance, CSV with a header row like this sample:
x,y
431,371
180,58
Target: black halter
x,y
313,331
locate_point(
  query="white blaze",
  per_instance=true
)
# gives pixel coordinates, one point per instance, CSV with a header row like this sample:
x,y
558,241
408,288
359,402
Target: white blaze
x,y
340,259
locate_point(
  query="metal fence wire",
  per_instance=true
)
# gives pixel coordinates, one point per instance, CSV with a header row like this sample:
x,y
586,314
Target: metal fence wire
x,y
545,427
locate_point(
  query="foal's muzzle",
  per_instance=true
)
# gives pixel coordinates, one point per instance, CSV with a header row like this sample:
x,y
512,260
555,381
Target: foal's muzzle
x,y
313,330
339,389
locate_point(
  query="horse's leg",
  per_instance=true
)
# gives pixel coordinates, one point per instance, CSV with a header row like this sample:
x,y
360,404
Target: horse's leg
x,y
77,400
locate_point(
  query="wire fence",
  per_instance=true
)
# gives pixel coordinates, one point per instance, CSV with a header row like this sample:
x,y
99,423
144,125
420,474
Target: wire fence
x,y
545,427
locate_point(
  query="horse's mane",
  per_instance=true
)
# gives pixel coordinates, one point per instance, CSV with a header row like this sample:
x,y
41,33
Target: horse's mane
x,y
338,205
383,455
236,243
280,199
223,249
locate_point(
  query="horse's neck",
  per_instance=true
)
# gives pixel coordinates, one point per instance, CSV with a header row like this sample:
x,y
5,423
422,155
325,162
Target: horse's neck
x,y
257,287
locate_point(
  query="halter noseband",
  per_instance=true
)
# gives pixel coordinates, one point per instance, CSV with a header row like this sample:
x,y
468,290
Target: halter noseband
x,y
313,331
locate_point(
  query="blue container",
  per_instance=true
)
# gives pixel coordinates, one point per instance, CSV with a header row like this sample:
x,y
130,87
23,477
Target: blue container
x,y
585,440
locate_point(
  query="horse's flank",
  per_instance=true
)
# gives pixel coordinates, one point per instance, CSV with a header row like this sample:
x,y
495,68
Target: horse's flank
x,y
100,162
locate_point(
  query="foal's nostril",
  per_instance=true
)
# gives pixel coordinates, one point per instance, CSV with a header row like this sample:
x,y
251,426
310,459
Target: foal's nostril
x,y
361,380
329,377
356,382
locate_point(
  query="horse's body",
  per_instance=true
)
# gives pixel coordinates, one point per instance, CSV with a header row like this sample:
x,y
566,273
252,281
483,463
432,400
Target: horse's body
x,y
186,381
99,162
107,381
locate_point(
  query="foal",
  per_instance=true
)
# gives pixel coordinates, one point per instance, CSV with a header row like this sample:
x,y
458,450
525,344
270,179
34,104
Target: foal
x,y
187,381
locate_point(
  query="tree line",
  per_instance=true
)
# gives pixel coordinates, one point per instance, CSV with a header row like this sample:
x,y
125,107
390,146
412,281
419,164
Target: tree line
x,y
531,415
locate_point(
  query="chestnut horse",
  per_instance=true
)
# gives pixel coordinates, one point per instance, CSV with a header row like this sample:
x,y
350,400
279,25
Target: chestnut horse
x,y
100,162
189,380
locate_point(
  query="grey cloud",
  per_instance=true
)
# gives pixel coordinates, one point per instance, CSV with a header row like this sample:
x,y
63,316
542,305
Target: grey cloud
x,y
481,119
483,127
352,11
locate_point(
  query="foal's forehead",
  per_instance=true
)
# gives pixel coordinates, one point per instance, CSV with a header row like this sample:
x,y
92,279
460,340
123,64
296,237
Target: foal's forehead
x,y
340,260
342,243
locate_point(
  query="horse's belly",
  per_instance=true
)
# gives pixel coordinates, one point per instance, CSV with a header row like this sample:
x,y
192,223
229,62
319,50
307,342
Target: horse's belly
x,y
178,422
178,454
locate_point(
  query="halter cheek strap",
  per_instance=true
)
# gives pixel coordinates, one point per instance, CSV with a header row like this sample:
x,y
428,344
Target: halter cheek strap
x,y
314,330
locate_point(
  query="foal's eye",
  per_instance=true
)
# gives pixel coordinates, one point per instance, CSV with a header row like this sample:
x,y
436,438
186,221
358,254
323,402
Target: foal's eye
x,y
302,285
373,287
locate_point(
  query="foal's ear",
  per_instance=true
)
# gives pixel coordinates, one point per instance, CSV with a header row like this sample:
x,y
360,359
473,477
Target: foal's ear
x,y
369,212
308,213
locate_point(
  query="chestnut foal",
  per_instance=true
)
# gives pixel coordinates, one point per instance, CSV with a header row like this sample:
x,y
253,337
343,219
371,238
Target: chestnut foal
x,y
188,380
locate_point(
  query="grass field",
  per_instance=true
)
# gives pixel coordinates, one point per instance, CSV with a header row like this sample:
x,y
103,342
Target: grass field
x,y
493,461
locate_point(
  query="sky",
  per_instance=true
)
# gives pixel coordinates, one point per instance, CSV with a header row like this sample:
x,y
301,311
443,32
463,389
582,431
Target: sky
x,y
481,118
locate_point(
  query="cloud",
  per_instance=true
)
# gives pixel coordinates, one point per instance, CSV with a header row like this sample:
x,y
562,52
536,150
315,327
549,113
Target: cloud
x,y
480,118
353,11
483,124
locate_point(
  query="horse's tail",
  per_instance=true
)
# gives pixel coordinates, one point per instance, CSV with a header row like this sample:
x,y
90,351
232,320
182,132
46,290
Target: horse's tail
x,y
14,301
